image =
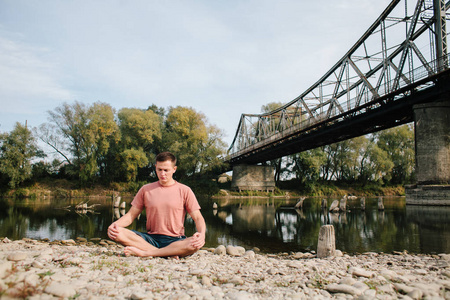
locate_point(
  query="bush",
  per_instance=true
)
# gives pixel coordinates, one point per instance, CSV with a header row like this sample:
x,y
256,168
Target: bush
x,y
22,193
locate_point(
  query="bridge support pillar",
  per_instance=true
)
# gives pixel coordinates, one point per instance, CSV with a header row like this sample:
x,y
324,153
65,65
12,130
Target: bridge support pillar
x,y
253,178
432,136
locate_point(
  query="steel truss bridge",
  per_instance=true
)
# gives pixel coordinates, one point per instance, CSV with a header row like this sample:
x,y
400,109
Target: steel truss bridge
x,y
401,60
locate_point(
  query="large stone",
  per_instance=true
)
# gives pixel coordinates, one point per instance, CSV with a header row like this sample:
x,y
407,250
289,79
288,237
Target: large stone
x,y
220,250
235,251
17,256
326,244
343,288
60,290
5,268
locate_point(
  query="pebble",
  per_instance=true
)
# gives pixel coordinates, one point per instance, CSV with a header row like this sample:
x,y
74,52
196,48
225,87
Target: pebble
x,y
87,270
17,256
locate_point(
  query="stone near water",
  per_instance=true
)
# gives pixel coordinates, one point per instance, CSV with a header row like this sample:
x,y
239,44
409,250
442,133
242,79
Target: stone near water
x,y
117,201
235,250
326,244
343,204
380,204
323,204
299,204
334,207
220,250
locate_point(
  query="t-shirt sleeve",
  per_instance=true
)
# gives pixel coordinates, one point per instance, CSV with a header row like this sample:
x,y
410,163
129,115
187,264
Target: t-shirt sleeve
x,y
138,200
191,203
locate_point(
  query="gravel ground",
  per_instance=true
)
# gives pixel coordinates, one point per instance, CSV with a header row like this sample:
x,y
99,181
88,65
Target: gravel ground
x,y
80,269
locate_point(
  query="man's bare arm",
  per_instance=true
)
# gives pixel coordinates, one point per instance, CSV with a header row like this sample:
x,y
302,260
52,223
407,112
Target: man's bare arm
x,y
198,240
124,221
129,217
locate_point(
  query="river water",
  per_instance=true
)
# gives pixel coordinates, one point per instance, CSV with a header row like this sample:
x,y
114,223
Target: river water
x,y
273,225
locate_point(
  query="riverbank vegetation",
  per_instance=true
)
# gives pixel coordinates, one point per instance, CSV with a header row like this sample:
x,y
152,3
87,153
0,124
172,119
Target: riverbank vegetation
x,y
86,150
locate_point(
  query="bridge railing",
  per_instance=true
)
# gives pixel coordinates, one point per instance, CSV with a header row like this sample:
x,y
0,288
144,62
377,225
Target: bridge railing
x,y
418,82
368,74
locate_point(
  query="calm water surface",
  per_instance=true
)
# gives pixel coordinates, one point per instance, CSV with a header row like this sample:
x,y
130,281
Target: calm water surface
x,y
273,225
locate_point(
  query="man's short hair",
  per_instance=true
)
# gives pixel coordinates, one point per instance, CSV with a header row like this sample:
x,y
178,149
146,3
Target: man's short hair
x,y
165,156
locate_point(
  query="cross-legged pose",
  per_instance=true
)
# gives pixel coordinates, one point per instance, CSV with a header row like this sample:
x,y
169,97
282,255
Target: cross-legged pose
x,y
166,203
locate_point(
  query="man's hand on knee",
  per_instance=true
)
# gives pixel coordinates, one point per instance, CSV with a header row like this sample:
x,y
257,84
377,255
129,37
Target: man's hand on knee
x,y
198,240
113,231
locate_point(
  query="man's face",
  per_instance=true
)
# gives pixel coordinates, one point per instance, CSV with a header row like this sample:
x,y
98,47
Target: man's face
x,y
164,171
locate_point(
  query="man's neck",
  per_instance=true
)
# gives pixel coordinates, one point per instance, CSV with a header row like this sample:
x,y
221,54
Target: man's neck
x,y
172,182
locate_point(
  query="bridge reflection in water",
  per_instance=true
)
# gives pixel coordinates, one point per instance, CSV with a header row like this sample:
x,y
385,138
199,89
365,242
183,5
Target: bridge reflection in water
x,y
276,226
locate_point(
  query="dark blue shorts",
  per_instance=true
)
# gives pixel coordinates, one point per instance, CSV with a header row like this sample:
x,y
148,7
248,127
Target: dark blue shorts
x,y
159,240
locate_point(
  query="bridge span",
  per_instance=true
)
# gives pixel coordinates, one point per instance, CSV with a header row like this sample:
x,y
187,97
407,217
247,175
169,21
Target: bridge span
x,y
396,73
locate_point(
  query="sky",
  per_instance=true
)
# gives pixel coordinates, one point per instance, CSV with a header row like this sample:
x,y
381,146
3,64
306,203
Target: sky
x,y
219,57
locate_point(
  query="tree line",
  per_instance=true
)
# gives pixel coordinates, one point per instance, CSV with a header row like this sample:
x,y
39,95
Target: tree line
x,y
97,144
385,158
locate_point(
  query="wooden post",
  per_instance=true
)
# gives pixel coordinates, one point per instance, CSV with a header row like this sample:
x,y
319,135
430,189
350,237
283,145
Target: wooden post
x,y
324,204
363,203
326,244
117,201
300,202
380,204
343,204
334,206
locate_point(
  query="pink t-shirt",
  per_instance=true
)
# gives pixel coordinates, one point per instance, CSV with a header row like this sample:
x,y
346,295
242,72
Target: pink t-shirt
x,y
166,207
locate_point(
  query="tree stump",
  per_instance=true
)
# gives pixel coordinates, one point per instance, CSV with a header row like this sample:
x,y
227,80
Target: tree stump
x,y
324,204
326,245
363,203
343,204
380,204
334,206
117,201
300,203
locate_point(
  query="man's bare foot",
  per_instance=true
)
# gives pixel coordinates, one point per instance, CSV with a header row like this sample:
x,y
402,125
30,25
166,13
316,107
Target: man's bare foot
x,y
130,250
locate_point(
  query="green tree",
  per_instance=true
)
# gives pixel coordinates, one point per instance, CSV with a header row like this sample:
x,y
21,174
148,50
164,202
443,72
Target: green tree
x,y
196,144
139,128
374,163
141,132
398,143
306,165
278,164
17,149
133,159
342,159
87,133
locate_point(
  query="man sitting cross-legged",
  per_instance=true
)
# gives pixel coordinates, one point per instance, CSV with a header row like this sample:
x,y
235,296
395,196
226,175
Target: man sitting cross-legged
x,y
166,203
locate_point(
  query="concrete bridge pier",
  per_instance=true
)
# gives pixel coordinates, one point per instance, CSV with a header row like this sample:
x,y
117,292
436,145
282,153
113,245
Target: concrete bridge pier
x,y
432,137
253,178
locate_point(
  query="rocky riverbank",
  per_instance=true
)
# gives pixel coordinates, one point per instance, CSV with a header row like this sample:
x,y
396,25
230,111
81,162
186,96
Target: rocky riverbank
x,y
84,270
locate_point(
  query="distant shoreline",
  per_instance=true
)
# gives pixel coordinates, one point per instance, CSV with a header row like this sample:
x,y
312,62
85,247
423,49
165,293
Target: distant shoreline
x,y
63,189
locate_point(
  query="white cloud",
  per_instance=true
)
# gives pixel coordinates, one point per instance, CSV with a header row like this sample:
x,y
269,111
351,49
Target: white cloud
x,y
222,58
24,75
28,82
